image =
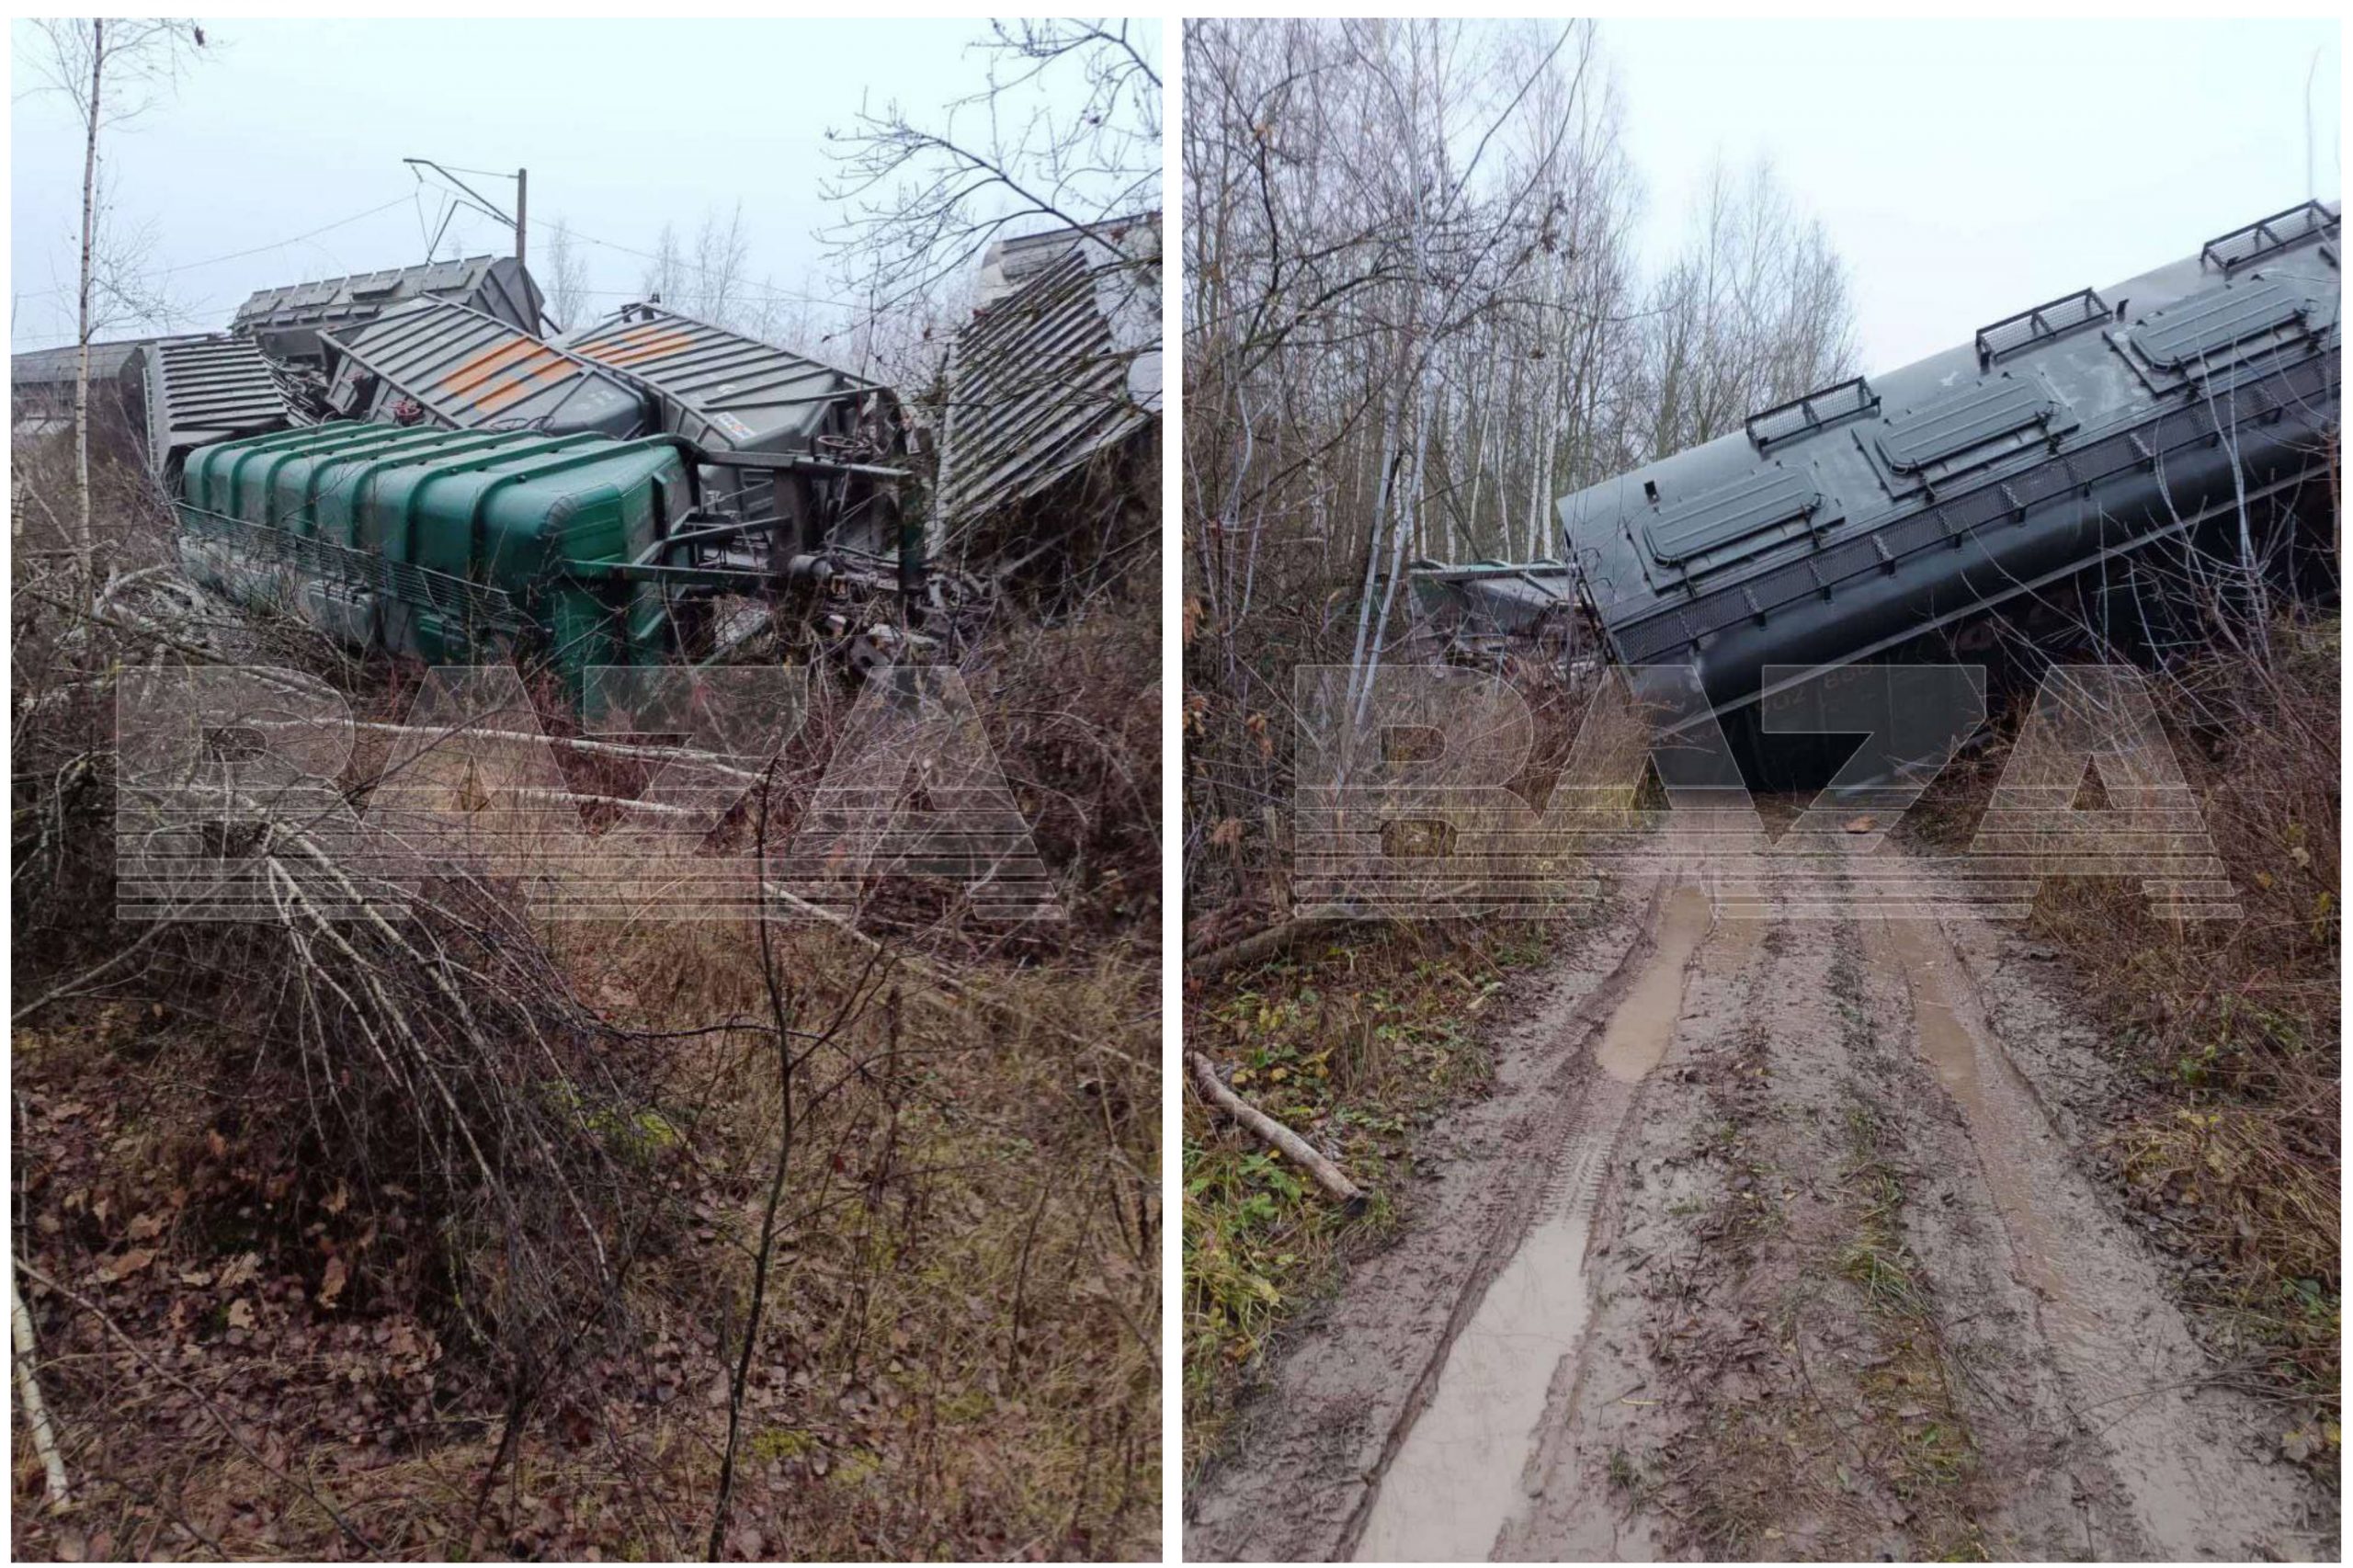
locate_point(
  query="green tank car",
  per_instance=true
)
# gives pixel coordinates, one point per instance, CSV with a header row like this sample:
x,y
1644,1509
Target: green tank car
x,y
446,546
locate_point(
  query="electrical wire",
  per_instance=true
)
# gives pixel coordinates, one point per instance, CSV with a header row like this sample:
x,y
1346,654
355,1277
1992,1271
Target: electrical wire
x,y
768,290
240,255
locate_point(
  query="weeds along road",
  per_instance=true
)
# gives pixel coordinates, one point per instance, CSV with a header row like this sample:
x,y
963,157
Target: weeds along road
x,y
1772,1241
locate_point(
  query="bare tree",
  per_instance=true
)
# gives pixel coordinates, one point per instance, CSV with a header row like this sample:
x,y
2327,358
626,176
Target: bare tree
x,y
723,251
785,316
1755,312
1060,141
713,279
1414,319
111,69
665,271
923,197
1366,226
567,275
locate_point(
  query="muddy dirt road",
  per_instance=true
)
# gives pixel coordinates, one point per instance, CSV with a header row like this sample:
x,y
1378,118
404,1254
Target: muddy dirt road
x,y
1772,1241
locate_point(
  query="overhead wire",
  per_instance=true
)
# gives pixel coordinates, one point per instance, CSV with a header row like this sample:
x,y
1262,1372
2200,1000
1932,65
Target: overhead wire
x,y
858,309
240,255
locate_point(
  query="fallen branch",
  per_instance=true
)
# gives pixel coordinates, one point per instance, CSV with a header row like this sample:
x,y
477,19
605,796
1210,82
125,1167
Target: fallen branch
x,y
1200,962
28,1396
710,761
956,992
1261,945
1283,1139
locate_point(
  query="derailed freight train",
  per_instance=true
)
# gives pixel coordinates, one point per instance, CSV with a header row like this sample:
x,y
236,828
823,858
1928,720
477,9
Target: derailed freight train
x,y
1863,517
401,458
445,546
415,471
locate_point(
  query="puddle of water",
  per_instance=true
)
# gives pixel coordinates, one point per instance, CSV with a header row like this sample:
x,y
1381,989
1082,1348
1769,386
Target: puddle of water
x,y
1455,1482
1950,1048
1639,1031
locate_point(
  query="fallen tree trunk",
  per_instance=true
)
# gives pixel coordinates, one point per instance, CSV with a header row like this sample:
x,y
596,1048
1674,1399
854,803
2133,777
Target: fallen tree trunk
x,y
1289,1143
1201,961
29,1398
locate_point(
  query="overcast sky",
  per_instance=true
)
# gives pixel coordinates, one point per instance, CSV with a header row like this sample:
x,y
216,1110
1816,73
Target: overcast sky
x,y
1967,170
282,127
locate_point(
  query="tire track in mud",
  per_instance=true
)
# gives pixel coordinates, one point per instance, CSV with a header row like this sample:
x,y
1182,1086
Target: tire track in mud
x,y
1811,1274
2182,1453
1710,1356
1911,1340
1340,1395
1452,1481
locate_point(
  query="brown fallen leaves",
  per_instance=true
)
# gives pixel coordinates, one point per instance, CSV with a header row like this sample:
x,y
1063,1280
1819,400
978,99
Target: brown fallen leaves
x,y
331,1286
123,1266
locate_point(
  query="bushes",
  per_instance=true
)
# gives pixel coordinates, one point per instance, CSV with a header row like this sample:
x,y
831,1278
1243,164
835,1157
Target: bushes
x,y
2236,1023
1356,1042
446,1226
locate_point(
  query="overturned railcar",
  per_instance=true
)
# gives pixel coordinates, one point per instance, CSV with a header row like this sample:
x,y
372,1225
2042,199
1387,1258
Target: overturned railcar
x,y
474,489
287,321
445,546
802,448
437,362
401,459
197,391
1054,394
1857,518
1485,609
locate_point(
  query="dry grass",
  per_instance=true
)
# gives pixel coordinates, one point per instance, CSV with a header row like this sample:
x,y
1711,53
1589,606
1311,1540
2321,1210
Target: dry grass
x,y
965,1351
1357,1040
1929,1458
961,1361
1815,1397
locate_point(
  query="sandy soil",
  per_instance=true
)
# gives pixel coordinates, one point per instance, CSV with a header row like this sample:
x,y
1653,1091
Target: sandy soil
x,y
1776,1239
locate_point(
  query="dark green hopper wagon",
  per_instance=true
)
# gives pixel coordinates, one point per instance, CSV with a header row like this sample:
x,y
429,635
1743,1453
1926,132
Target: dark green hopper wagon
x,y
445,546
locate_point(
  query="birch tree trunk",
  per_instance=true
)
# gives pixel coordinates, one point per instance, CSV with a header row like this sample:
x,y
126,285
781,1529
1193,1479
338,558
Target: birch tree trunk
x,y
83,545
1415,284
1410,499
29,1400
1383,504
